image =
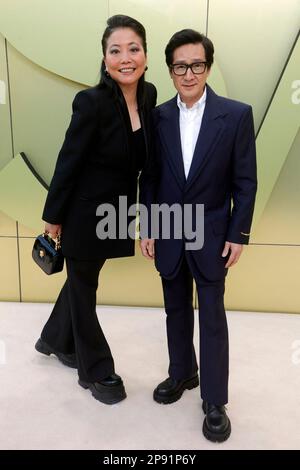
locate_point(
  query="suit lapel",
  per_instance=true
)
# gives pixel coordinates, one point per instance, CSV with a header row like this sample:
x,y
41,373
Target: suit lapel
x,y
211,130
169,132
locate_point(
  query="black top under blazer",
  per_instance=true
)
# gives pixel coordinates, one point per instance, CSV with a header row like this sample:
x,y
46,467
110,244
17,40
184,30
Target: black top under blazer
x,y
96,165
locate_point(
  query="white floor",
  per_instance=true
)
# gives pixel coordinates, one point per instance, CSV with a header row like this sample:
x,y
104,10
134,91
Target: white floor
x,y
43,407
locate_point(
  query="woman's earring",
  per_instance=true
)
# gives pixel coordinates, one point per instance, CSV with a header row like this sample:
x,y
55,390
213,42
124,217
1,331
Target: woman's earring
x,y
146,68
106,73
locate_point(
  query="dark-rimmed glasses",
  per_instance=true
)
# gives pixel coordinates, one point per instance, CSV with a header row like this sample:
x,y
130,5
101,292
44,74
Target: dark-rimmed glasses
x,y
196,67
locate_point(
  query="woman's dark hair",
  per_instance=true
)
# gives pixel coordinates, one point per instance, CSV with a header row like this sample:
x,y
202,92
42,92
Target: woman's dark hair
x,y
189,36
123,21
116,22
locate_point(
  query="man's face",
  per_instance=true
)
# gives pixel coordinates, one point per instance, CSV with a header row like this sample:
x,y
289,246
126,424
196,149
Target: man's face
x,y
189,86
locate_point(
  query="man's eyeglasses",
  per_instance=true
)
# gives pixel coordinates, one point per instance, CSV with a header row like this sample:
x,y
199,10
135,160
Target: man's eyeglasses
x,y
181,69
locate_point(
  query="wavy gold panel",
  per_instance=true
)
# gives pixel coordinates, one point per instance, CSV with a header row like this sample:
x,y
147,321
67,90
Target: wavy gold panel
x,y
280,222
252,41
62,36
41,111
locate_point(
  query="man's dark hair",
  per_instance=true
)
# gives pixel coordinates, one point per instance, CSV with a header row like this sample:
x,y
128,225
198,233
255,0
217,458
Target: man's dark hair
x,y
189,36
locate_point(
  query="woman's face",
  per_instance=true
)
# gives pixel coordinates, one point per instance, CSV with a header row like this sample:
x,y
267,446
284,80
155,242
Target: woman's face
x,y
125,58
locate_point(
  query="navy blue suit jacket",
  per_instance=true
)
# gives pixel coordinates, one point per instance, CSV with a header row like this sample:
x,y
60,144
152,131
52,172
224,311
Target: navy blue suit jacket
x,y
222,177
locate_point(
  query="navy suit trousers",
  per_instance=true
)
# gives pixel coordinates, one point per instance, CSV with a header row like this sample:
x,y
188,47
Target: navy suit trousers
x,y
178,298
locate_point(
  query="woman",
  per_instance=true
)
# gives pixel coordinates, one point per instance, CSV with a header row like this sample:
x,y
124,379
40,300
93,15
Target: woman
x,y
106,145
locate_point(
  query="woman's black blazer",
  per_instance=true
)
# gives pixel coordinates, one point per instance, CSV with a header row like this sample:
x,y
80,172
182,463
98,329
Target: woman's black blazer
x,y
96,165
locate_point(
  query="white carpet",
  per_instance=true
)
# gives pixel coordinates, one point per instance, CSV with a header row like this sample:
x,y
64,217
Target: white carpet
x,y
43,407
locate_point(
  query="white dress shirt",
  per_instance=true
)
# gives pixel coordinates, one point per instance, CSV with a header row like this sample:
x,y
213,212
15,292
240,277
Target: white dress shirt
x,y
190,123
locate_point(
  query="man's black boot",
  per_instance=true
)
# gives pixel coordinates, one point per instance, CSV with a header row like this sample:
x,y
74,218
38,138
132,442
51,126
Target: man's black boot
x,y
216,425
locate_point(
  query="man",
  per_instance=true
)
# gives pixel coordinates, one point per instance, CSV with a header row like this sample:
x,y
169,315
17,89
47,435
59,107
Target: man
x,y
205,155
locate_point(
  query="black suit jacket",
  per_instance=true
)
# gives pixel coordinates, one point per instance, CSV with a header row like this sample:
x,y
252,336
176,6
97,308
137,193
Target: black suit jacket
x,y
96,165
222,177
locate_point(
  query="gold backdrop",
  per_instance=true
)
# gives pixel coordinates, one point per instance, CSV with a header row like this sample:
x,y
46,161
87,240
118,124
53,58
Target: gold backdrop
x,y
49,50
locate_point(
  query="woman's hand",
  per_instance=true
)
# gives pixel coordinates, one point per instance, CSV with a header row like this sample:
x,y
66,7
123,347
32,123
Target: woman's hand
x,y
53,229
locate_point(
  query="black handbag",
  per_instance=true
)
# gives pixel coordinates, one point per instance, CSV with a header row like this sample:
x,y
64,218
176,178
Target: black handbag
x,y
47,254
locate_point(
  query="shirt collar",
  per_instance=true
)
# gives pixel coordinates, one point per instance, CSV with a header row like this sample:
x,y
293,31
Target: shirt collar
x,y
182,106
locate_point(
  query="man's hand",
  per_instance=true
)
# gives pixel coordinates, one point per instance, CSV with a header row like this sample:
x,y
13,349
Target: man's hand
x,y
53,229
235,252
147,248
